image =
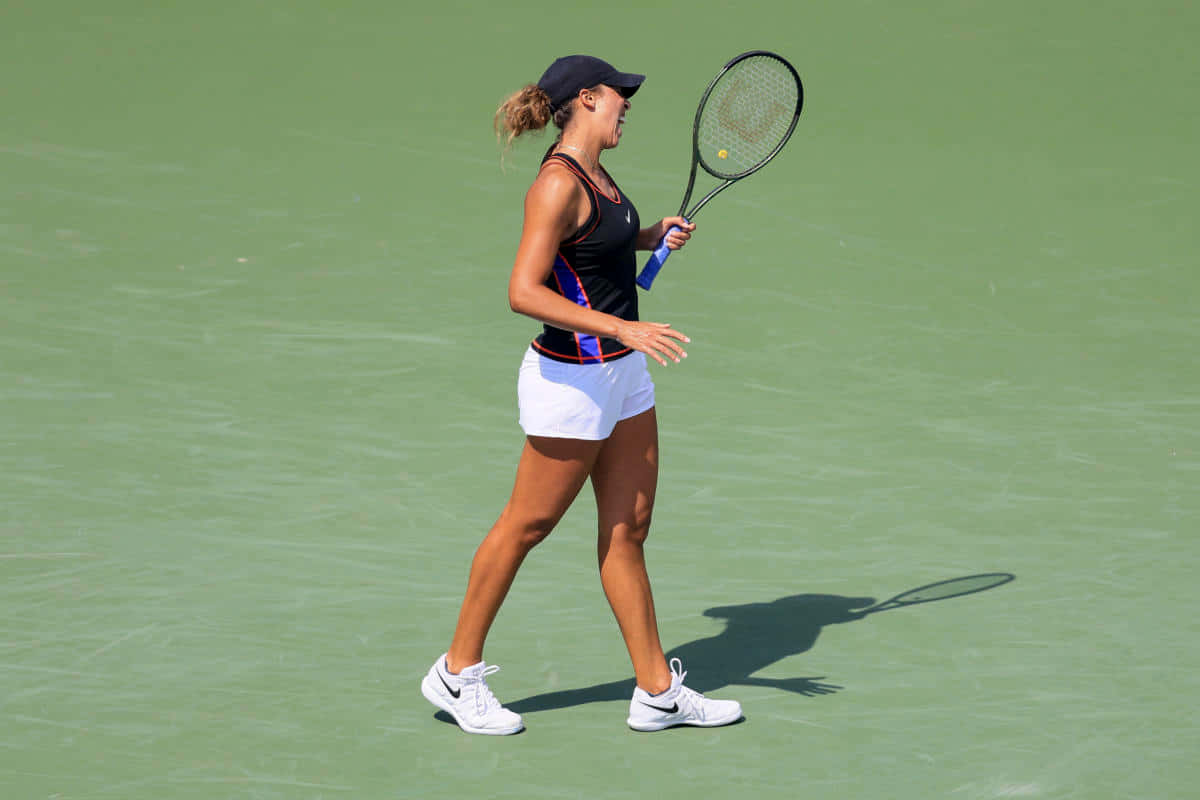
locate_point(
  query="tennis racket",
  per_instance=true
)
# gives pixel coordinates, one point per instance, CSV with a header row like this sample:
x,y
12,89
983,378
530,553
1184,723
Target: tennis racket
x,y
942,590
745,117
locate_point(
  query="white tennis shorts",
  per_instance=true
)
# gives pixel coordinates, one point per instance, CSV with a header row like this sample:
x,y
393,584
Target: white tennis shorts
x,y
581,401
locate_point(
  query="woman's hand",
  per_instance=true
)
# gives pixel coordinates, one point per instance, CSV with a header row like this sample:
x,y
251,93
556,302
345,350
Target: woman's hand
x,y
656,339
649,238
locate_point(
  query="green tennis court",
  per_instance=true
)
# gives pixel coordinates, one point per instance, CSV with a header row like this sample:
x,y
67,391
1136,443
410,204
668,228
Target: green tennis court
x,y
257,404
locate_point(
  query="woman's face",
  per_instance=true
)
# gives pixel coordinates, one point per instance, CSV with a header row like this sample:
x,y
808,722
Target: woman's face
x,y
611,106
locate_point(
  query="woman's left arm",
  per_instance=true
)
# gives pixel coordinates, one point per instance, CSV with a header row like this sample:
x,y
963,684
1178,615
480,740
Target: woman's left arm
x,y
648,238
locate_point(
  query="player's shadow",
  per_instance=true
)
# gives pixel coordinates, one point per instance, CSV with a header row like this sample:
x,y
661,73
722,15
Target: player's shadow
x,y
756,635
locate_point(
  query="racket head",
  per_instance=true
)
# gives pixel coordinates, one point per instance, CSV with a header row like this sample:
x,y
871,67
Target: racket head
x,y
747,114
943,590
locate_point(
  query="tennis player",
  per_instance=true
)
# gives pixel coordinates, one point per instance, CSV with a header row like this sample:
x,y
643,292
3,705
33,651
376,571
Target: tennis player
x,y
586,399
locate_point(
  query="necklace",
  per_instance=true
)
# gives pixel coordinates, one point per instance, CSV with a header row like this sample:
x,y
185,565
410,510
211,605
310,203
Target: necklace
x,y
582,152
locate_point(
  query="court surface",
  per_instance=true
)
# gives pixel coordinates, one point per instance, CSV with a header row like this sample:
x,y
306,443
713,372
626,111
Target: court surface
x,y
257,404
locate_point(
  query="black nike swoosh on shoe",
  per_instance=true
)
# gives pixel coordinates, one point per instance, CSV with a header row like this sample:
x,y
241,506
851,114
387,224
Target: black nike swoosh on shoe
x,y
674,709
453,692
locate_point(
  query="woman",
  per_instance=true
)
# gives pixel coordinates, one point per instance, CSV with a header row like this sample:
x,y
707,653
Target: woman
x,y
586,399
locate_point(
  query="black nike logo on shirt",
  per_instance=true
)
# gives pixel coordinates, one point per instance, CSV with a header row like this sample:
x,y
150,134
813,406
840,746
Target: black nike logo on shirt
x,y
674,709
453,692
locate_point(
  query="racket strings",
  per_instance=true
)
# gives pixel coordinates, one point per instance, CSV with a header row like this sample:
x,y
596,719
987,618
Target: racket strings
x,y
747,115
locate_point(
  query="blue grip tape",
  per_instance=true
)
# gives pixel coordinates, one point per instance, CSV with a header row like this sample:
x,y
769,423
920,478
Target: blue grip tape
x,y
656,260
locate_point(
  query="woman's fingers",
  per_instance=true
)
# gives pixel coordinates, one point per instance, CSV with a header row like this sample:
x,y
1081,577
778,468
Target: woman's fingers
x,y
664,343
678,238
656,339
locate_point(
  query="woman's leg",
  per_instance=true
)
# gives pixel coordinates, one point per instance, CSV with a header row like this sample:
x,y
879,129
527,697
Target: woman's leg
x,y
624,478
549,476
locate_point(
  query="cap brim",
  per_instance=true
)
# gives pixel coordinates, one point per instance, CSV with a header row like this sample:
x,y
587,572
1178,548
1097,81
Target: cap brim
x,y
627,82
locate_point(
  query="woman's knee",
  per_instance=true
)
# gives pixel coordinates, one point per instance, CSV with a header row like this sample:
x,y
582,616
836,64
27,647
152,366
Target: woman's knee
x,y
633,530
534,533
526,530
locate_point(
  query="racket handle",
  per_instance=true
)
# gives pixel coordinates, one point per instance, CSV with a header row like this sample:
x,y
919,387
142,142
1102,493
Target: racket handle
x,y
655,262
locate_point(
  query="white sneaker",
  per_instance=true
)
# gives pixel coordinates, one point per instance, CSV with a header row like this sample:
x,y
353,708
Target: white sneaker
x,y
679,705
467,698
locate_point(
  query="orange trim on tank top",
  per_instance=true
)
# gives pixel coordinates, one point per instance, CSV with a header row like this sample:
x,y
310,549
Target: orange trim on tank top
x,y
562,159
595,203
603,358
583,292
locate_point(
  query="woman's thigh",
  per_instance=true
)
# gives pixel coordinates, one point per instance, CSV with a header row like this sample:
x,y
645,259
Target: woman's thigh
x,y
549,476
625,475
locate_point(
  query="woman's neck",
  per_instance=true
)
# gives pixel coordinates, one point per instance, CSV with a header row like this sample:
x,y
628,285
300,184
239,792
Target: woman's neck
x,y
592,161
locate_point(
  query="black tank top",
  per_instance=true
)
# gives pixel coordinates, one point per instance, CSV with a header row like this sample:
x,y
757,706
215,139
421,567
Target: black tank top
x,y
594,267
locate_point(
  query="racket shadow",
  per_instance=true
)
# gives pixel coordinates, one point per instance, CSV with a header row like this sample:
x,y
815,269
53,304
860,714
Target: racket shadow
x,y
756,635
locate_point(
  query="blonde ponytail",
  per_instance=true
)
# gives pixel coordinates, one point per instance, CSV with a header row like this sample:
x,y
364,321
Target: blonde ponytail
x,y
525,110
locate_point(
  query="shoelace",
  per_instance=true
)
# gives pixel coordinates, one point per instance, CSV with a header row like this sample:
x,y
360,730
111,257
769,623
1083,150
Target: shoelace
x,y
688,699
691,702
484,699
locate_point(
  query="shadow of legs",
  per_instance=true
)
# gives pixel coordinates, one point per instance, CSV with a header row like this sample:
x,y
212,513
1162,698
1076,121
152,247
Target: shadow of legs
x,y
756,635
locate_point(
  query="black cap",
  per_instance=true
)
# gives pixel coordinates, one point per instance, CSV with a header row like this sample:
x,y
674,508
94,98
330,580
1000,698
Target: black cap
x,y
567,75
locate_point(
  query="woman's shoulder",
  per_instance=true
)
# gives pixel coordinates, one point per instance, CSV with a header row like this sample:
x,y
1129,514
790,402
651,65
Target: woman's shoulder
x,y
556,183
